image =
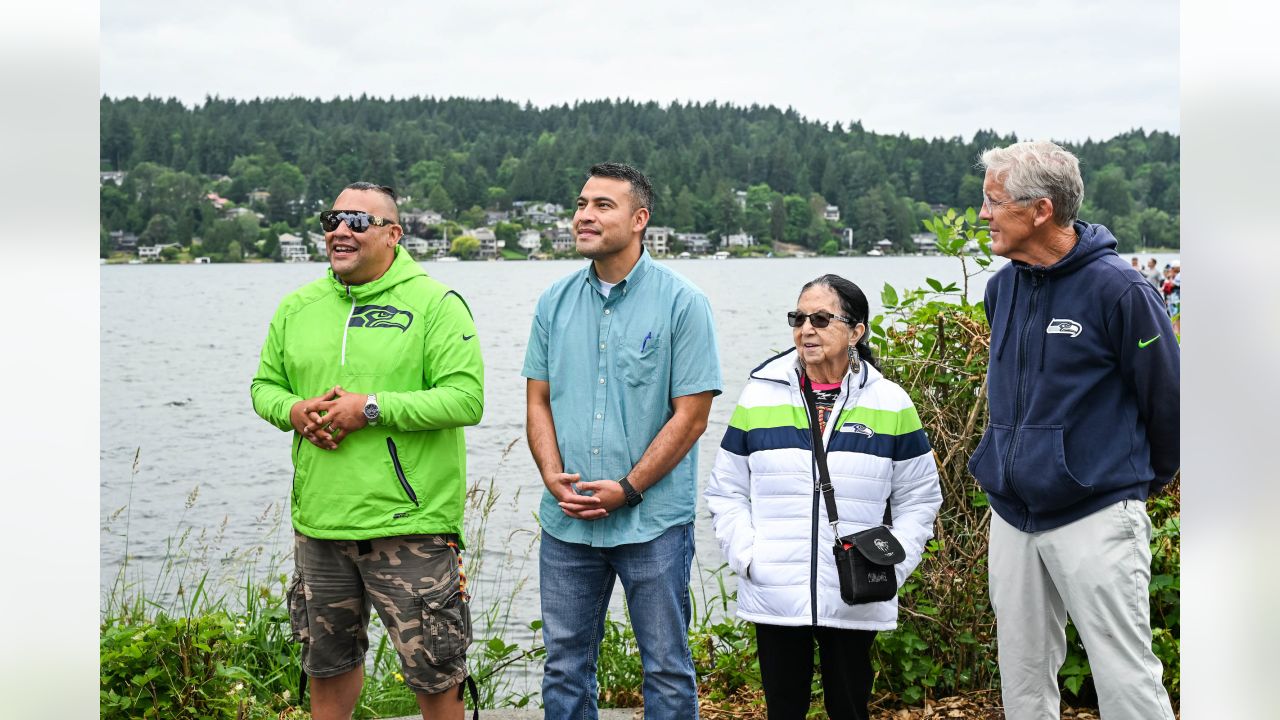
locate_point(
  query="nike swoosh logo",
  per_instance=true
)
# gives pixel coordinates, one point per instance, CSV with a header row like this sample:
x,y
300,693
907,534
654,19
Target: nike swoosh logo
x,y
1144,343
468,337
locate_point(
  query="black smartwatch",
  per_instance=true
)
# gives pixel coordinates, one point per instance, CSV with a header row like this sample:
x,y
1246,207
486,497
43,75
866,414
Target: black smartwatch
x,y
633,497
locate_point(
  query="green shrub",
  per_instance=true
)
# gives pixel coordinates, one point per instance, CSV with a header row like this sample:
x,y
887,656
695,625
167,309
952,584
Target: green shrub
x,y
176,668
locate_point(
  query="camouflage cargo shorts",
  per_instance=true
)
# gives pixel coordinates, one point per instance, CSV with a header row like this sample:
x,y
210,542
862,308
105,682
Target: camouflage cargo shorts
x,y
414,582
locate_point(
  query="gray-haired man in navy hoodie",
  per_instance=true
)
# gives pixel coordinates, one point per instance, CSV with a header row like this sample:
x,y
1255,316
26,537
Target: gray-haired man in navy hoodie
x,y
1083,398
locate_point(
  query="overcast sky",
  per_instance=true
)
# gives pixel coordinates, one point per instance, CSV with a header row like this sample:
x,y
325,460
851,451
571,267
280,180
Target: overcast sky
x,y
1059,70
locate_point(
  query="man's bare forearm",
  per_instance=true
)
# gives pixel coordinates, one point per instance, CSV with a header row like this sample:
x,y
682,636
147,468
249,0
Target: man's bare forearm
x,y
673,441
540,428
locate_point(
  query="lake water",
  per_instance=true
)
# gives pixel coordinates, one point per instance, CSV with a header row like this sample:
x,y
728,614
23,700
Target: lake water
x,y
180,344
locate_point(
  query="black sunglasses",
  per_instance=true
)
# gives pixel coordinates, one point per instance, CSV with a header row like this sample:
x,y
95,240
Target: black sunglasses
x,y
820,319
357,220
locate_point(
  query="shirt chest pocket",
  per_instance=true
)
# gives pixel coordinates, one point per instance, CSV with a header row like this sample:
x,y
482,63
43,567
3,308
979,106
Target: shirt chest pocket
x,y
642,360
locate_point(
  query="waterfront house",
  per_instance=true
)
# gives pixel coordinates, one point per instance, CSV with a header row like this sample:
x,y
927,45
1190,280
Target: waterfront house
x,y
430,218
738,239
925,243
489,242
415,245
696,243
149,252
658,240
121,240
832,213
561,237
537,213
438,245
530,240
293,248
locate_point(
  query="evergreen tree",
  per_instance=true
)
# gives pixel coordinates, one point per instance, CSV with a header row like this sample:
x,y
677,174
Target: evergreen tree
x,y
458,153
440,201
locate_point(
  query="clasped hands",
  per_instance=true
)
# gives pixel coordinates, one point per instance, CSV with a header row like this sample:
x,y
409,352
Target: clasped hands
x,y
605,495
326,420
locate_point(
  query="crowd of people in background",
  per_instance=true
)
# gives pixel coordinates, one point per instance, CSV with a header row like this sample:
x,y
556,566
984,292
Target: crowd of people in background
x,y
1168,282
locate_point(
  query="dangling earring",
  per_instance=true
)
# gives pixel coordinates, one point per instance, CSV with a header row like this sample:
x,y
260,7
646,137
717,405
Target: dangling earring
x,y
854,366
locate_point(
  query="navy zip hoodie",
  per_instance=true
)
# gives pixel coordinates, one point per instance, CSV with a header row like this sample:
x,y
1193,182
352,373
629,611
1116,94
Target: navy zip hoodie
x,y
1082,387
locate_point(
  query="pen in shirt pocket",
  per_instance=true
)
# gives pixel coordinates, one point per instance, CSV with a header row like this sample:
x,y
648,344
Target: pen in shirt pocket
x,y
647,338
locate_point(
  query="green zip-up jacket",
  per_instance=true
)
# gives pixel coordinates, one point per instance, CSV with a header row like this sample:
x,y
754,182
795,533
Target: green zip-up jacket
x,y
411,340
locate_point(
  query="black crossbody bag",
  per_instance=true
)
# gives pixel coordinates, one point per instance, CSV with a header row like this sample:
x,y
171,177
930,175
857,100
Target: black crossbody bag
x,y
864,560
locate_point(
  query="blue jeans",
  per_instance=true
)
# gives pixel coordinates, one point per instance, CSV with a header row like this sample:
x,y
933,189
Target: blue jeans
x,y
576,583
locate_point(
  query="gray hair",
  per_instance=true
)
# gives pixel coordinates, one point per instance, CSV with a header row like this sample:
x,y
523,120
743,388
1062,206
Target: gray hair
x,y
1036,169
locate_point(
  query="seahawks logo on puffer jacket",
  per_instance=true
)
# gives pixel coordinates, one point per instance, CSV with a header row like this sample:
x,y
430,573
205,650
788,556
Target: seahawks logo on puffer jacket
x,y
856,427
381,316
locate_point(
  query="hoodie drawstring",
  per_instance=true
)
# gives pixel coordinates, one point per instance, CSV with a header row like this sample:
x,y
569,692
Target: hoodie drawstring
x,y
1008,318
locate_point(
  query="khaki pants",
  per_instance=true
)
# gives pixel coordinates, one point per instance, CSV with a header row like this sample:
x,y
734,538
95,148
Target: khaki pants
x,y
1096,570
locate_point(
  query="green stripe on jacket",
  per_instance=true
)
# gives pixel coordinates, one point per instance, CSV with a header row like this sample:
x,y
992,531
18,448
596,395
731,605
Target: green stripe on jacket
x,y
884,422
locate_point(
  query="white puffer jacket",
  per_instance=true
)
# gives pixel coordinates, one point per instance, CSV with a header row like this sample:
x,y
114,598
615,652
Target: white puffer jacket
x,y
769,516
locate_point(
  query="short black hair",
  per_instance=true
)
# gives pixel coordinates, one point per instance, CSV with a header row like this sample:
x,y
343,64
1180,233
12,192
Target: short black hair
x,y
375,187
641,190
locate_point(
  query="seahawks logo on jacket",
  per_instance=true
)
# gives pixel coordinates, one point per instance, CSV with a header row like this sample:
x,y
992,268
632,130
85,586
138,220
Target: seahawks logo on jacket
x,y
380,316
1064,327
856,427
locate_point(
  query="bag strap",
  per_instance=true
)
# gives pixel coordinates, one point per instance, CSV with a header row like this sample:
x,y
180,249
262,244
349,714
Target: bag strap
x,y
470,684
820,453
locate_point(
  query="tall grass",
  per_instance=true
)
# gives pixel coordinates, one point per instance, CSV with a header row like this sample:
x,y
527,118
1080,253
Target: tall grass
x,y
205,633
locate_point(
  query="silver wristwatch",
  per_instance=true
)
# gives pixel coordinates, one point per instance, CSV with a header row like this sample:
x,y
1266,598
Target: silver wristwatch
x,y
371,410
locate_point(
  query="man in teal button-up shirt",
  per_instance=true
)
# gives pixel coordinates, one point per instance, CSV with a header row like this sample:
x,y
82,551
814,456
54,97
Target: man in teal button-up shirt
x,y
622,366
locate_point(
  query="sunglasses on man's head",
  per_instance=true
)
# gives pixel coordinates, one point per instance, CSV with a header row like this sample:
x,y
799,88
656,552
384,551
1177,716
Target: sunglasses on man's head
x,y
357,220
820,319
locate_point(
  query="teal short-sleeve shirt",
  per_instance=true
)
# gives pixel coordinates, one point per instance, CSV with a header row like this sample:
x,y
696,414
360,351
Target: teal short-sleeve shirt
x,y
614,366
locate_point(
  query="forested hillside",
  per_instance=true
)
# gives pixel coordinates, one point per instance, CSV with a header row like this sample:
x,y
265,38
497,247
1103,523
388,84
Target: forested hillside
x,y
461,156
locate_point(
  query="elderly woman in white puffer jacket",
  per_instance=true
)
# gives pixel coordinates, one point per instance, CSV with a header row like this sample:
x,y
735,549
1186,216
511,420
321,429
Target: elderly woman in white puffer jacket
x,y
769,515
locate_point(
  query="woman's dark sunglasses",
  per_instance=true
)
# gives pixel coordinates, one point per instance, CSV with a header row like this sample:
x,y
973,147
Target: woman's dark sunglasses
x,y
356,220
819,319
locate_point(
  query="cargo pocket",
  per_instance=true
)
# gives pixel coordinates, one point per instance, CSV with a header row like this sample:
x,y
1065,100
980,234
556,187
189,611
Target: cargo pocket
x,y
296,597
446,624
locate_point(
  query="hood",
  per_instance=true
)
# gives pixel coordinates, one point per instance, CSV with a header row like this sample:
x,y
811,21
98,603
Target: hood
x,y
403,268
783,368
1093,242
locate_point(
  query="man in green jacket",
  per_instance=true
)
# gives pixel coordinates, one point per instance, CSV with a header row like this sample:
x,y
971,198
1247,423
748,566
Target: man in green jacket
x,y
376,369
